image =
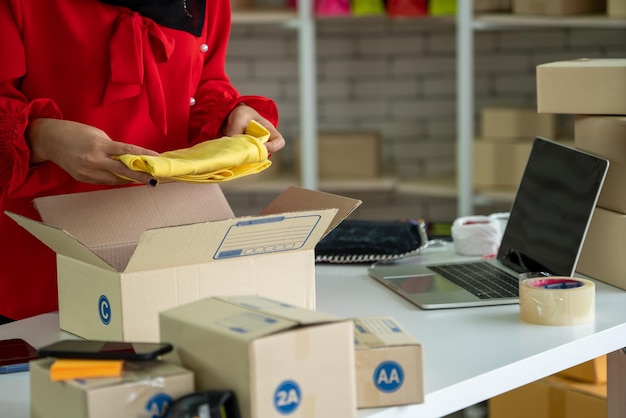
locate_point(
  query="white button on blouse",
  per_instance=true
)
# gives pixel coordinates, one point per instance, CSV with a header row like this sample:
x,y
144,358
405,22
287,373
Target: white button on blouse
x,y
192,101
204,48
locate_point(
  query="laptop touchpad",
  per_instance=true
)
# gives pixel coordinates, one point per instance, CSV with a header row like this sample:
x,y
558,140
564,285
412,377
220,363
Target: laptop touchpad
x,y
421,283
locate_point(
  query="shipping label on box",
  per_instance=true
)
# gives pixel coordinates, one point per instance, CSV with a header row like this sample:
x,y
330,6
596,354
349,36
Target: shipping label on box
x,y
145,389
582,87
280,360
124,255
605,136
389,369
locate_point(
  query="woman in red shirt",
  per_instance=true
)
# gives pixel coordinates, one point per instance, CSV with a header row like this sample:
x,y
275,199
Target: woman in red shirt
x,y
84,80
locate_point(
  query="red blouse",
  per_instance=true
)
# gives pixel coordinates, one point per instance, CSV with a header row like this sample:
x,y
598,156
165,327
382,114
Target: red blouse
x,y
109,67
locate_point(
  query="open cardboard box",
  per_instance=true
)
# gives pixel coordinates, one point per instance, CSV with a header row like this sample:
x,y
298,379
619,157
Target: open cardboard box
x,y
125,254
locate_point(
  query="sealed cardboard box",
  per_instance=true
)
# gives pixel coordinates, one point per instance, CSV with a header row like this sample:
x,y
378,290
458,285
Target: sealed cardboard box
x,y
592,371
558,7
279,359
499,164
347,155
389,369
516,123
145,389
605,136
582,87
552,397
602,255
124,255
616,8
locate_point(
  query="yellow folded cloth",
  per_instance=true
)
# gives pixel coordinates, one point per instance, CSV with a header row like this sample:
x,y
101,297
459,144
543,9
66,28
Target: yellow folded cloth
x,y
67,369
221,159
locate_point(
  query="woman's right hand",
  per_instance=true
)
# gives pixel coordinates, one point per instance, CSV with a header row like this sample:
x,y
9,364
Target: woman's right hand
x,y
84,151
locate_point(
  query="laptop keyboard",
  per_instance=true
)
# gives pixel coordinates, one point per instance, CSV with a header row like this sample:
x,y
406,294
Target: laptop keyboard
x,y
480,278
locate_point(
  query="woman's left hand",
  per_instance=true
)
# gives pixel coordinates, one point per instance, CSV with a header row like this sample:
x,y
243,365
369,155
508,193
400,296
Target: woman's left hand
x,y
238,121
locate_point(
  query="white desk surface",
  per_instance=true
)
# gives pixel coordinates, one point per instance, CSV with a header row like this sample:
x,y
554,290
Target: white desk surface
x,y
470,354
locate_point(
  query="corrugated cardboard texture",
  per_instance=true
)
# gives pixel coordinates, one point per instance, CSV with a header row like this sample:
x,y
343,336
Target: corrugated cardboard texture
x,y
605,136
582,87
602,256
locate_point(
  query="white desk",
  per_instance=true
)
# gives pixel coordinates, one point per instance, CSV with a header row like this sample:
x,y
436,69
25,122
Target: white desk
x,y
470,354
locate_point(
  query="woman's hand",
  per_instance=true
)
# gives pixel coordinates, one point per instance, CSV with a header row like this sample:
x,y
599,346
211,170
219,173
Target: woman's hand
x,y
238,121
84,152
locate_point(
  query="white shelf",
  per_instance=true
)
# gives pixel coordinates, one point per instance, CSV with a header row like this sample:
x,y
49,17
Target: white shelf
x,y
510,21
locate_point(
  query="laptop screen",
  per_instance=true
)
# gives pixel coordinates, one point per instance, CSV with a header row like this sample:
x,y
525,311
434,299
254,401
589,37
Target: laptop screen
x,y
552,209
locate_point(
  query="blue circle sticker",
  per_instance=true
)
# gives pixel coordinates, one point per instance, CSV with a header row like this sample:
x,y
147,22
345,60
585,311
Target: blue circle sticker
x,y
104,310
388,376
157,405
287,397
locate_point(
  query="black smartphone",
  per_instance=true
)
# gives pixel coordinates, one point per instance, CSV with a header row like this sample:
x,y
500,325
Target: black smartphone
x,y
105,350
15,354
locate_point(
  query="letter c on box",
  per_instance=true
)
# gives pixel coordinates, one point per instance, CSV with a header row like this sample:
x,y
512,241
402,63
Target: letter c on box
x,y
104,310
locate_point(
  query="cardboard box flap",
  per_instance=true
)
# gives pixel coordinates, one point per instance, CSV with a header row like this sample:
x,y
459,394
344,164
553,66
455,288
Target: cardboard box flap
x,y
59,241
230,238
380,332
297,198
119,216
280,309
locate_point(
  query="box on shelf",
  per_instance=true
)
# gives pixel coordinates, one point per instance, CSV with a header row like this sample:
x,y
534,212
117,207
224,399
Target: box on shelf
x,y
144,389
558,7
582,87
616,8
499,164
552,397
125,254
346,155
516,123
605,136
389,369
602,255
279,359
592,371
492,5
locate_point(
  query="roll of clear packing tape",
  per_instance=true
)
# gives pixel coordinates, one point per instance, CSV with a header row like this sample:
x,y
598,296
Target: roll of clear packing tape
x,y
557,301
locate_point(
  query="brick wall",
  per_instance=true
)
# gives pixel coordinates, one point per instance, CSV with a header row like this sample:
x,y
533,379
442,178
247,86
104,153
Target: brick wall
x,y
398,77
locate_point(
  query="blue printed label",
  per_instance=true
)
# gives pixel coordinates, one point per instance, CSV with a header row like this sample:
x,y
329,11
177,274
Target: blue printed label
x,y
104,310
388,376
156,407
287,397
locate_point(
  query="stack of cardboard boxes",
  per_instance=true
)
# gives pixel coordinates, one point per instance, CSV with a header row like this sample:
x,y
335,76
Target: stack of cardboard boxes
x,y
594,91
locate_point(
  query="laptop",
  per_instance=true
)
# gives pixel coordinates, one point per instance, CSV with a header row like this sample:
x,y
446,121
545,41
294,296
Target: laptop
x,y
545,232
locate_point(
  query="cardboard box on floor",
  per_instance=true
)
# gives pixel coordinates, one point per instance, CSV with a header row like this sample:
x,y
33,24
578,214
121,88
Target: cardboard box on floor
x,y
582,87
389,368
552,397
616,8
507,123
605,136
124,255
602,255
144,389
592,371
558,7
279,359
